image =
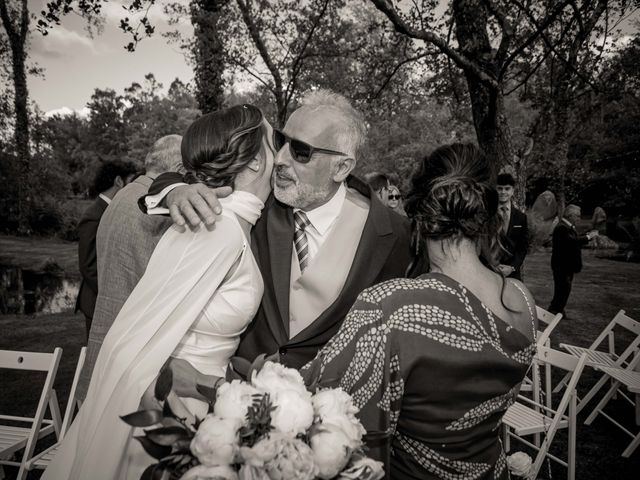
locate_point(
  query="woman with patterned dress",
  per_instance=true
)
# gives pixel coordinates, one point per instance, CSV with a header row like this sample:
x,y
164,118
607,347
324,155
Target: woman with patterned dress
x,y
434,362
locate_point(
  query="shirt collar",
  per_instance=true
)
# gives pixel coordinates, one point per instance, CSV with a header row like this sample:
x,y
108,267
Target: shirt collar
x,y
505,206
567,222
322,217
105,198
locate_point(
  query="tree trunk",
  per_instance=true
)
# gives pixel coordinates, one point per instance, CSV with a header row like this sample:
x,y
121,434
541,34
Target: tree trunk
x,y
209,53
487,103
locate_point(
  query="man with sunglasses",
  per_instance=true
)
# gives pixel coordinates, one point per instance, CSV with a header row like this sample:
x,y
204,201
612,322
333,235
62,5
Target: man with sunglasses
x,y
323,236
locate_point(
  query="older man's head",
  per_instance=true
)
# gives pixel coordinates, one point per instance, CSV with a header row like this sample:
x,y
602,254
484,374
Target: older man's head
x,y
572,213
325,121
164,156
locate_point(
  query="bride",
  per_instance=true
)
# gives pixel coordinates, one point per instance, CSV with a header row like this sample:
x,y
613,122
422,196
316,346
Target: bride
x,y
198,294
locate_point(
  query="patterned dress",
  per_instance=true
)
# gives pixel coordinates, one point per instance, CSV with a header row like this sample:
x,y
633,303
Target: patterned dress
x,y
432,370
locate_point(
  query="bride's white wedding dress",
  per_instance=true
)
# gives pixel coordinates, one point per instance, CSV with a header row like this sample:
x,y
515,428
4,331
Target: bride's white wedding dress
x,y
199,292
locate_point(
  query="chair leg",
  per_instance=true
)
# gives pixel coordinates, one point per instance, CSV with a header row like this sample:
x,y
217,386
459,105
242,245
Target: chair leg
x,y
571,447
632,446
506,438
22,473
562,383
602,403
1,472
594,390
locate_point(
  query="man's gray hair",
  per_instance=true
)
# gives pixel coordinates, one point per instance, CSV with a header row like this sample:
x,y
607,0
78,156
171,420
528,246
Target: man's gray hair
x,y
353,134
164,155
571,209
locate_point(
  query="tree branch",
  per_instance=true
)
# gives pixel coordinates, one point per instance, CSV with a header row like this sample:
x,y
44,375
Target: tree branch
x,y
462,61
395,70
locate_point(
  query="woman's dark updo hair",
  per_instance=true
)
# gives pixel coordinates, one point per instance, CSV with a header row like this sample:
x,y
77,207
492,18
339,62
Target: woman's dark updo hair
x,y
452,197
218,145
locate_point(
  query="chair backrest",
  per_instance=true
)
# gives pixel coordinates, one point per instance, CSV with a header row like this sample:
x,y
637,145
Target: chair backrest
x,y
621,319
34,361
574,365
550,320
72,401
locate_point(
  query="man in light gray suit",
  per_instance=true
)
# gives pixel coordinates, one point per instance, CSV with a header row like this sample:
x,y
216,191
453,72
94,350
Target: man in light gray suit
x,y
125,241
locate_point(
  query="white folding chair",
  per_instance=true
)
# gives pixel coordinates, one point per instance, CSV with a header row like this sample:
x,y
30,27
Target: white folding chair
x,y
597,358
630,379
543,337
42,460
14,438
528,417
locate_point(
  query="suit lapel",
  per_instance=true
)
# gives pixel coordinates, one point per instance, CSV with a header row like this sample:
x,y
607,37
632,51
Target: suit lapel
x,y
375,245
280,236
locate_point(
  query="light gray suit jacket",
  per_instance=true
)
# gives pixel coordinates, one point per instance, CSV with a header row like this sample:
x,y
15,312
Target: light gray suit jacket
x,y
125,241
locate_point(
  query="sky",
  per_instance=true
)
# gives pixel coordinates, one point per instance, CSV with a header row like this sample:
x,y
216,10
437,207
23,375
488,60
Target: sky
x,y
75,64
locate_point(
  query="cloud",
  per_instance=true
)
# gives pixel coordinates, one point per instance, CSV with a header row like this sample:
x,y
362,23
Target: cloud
x,y
62,42
64,111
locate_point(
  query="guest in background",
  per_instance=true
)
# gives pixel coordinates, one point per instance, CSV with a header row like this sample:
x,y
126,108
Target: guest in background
x,y
111,177
125,241
394,200
514,234
379,183
566,256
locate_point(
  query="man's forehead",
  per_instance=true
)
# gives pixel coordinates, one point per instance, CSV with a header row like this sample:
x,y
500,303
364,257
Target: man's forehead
x,y
309,124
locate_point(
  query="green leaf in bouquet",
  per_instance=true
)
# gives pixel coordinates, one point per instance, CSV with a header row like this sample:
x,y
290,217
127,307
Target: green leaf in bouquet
x,y
164,383
258,420
232,375
167,436
171,422
256,365
156,451
182,447
242,367
208,392
143,418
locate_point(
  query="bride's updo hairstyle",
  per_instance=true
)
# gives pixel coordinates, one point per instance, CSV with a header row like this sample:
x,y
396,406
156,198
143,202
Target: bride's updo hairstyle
x,y
452,197
218,145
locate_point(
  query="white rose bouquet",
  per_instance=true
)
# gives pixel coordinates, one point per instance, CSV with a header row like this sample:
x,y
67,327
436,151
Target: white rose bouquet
x,y
270,426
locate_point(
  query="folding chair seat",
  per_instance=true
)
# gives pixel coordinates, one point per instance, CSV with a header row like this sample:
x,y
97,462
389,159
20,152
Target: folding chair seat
x,y
597,358
630,379
15,438
529,417
43,459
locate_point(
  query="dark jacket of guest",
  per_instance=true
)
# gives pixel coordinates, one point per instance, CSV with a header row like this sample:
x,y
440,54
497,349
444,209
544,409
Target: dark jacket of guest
x,y
87,258
515,242
566,255
383,253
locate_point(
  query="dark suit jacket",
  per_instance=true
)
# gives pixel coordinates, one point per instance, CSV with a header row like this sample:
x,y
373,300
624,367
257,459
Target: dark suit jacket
x,y
566,255
87,259
515,242
383,253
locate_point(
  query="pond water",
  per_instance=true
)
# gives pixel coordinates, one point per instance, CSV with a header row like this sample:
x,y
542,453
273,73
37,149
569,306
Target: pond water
x,y
27,292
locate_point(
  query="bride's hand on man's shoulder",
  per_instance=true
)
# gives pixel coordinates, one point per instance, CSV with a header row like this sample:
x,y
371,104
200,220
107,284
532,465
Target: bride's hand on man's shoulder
x,y
196,203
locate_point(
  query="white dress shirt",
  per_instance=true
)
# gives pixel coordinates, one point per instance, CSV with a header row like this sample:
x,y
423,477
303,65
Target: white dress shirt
x,y
105,198
322,218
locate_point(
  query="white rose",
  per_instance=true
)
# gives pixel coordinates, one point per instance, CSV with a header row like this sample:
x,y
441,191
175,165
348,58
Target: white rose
x,y
217,441
293,413
331,450
364,468
217,472
333,401
351,427
274,377
335,406
234,399
520,464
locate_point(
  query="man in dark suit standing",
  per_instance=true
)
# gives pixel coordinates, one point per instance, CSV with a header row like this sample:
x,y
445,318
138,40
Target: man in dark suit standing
x,y
111,177
566,256
346,240
514,233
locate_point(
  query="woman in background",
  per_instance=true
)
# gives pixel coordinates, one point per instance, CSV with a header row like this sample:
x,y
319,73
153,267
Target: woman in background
x,y
434,362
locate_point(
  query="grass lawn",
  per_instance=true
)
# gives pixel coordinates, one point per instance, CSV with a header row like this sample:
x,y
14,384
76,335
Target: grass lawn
x,y
599,292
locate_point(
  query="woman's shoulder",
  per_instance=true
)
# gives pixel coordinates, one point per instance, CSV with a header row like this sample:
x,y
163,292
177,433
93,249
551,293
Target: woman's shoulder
x,y
399,289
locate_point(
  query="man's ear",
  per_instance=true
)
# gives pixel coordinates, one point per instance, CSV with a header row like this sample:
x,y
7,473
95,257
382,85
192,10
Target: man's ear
x,y
118,182
344,167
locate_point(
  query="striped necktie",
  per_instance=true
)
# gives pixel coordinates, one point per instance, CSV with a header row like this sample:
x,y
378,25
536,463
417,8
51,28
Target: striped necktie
x,y
300,239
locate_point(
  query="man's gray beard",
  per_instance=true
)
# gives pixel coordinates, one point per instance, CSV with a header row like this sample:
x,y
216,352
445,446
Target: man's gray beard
x,y
300,196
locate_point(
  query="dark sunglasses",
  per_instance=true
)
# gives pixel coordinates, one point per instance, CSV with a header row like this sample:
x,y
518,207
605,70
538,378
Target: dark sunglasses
x,y
395,197
300,151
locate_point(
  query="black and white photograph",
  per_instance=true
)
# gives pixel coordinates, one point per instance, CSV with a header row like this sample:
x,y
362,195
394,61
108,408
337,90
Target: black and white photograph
x,y
319,239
